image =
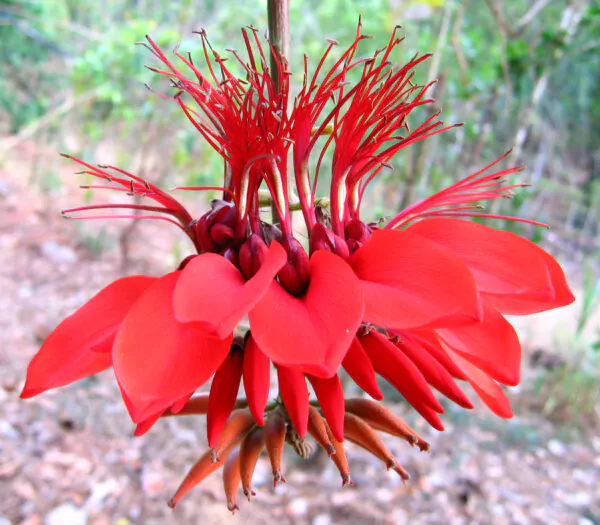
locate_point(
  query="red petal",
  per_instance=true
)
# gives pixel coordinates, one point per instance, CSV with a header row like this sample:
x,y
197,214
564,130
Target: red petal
x,y
143,426
312,332
294,394
330,395
433,371
212,291
148,423
487,389
429,340
105,346
518,305
492,345
178,406
398,370
223,394
360,369
515,273
157,360
257,379
66,354
410,281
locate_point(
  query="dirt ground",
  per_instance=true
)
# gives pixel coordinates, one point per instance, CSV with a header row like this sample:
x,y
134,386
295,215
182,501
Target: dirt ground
x,y
68,457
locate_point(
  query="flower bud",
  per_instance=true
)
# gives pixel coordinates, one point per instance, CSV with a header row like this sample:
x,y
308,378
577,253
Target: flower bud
x,y
215,229
203,233
357,234
322,238
251,256
221,234
184,263
231,255
272,233
295,275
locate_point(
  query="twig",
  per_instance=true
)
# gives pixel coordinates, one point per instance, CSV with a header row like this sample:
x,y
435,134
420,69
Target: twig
x,y
500,20
279,34
569,22
420,155
532,13
441,42
454,40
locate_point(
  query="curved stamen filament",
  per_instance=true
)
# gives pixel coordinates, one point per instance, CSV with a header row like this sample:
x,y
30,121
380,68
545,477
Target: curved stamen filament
x,y
137,217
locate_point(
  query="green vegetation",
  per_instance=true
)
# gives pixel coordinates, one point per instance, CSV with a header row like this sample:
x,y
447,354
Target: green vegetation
x,y
517,73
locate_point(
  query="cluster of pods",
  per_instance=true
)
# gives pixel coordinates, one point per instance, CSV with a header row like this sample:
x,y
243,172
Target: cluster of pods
x,y
242,441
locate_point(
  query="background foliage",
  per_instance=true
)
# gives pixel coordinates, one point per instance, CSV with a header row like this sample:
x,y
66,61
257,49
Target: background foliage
x,y
517,73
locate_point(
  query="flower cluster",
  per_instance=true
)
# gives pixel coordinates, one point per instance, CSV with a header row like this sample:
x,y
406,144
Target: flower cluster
x,y
418,299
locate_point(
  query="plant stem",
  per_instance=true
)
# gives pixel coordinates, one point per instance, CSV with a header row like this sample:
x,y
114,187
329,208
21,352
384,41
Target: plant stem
x,y
279,34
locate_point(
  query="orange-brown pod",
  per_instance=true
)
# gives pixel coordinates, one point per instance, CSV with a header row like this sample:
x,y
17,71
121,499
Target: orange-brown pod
x,y
339,458
250,450
275,440
380,418
238,425
231,479
201,469
316,428
359,432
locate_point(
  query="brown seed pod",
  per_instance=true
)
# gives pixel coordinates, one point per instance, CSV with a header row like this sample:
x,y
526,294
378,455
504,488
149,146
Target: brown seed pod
x,y
317,429
231,479
275,439
201,469
380,418
238,425
358,431
250,450
339,458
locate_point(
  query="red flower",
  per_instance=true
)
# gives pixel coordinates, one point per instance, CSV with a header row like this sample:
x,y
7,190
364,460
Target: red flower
x,y
419,301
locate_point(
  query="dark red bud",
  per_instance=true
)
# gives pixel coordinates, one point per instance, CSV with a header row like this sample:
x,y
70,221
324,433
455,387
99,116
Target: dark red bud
x,y
322,238
229,218
295,275
184,263
215,229
221,234
203,233
272,233
219,211
353,245
252,254
358,232
231,255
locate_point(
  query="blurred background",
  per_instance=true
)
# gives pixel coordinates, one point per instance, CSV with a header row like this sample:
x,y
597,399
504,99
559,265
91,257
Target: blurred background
x,y
518,73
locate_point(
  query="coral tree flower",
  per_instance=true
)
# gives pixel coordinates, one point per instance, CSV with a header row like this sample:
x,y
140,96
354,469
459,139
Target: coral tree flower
x,y
418,300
